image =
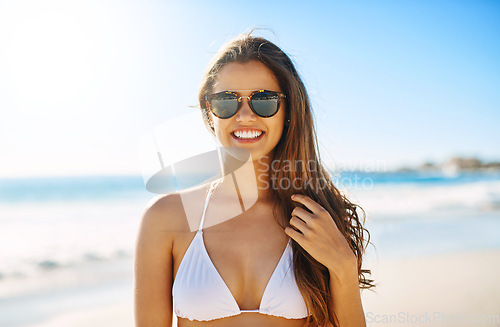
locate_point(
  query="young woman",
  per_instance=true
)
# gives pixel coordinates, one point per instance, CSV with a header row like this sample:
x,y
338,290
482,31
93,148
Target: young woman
x,y
292,257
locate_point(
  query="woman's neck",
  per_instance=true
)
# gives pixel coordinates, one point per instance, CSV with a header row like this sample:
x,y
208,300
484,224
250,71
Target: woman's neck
x,y
249,181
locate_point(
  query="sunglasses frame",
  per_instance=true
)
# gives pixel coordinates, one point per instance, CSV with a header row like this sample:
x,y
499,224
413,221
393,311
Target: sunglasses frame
x,y
208,99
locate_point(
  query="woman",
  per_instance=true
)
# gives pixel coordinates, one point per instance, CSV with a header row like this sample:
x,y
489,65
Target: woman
x,y
228,268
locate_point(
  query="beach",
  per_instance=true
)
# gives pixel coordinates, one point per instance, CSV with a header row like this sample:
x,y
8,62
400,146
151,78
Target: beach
x,y
436,290
120,314
66,258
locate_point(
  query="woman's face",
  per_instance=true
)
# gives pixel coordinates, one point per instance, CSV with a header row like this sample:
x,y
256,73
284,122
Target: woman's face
x,y
244,78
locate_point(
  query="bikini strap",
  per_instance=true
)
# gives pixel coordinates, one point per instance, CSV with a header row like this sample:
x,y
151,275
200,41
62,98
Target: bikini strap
x,y
210,190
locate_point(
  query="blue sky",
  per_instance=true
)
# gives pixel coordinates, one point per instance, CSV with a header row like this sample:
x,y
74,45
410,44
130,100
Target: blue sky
x,y
393,82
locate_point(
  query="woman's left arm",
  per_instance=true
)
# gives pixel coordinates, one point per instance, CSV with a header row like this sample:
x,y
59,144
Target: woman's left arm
x,y
318,234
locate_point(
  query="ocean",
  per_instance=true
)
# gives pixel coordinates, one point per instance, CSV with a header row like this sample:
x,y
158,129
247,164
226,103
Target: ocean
x,y
59,235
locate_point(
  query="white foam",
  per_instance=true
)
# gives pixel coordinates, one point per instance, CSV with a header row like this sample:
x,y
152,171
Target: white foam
x,y
36,240
410,199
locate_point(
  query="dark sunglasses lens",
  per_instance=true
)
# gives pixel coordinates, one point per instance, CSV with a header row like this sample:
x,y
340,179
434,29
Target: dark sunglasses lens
x,y
224,105
265,104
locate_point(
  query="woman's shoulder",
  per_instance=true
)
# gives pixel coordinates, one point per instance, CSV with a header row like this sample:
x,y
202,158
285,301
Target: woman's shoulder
x,y
163,211
176,212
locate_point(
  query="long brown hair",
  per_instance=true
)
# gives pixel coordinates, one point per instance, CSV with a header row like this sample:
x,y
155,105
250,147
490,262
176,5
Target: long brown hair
x,y
298,144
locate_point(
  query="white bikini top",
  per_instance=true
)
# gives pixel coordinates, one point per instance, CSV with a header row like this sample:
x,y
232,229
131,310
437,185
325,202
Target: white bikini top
x,y
200,293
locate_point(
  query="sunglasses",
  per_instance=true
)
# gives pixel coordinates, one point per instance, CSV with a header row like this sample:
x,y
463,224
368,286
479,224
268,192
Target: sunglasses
x,y
226,104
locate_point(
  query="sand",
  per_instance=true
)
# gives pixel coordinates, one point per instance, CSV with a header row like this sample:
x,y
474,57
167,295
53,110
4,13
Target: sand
x,y
119,315
438,290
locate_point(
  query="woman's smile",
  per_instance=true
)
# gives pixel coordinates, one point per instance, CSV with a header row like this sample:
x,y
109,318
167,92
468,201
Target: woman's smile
x,y
247,135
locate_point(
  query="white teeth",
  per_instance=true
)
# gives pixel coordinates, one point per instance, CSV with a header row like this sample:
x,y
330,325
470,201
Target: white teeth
x,y
247,134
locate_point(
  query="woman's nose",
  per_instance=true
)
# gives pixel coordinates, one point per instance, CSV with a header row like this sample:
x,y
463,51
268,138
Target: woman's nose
x,y
245,113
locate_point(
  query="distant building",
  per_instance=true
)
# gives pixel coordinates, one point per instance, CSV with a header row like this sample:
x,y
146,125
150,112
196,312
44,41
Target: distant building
x,y
456,164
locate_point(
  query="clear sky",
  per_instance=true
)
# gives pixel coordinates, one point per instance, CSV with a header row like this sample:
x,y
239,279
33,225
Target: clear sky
x,y
394,82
